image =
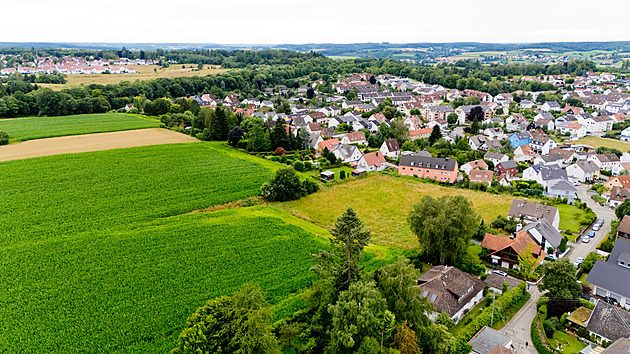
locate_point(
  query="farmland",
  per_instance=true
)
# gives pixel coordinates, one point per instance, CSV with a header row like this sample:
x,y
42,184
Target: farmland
x,y
144,72
92,142
605,142
132,290
22,129
55,197
383,203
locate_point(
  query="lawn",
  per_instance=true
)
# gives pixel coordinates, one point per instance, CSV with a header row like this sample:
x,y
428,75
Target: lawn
x,y
21,129
131,290
384,202
569,344
605,142
570,217
144,72
58,196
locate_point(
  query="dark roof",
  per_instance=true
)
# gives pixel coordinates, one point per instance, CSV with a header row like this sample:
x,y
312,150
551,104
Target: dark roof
x,y
620,346
506,165
624,225
534,210
392,145
608,157
588,166
544,228
487,339
493,155
428,162
621,251
609,322
563,186
496,281
448,288
606,275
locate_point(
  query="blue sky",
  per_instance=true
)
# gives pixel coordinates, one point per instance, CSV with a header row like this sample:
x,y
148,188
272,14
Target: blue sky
x,y
319,21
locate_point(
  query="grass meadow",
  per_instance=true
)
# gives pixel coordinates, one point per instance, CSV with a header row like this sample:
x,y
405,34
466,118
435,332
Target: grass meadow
x,y
605,142
384,202
21,129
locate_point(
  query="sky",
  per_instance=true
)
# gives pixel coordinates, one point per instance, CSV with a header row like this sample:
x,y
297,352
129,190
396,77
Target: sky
x,y
319,21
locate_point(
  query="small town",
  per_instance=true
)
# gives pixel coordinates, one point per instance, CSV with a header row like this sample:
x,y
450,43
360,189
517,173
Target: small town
x,y
442,182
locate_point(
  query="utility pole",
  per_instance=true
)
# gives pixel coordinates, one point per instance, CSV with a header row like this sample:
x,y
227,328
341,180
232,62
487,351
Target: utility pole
x,y
492,315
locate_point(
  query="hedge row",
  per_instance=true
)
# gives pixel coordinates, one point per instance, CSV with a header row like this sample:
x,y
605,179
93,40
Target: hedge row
x,y
535,334
501,305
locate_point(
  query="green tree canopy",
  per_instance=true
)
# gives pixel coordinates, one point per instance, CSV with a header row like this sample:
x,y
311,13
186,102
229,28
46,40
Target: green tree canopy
x,y
443,226
560,279
623,209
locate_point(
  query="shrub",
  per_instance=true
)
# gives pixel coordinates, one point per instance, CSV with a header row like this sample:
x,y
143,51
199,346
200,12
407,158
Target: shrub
x,y
551,325
308,165
299,166
4,138
284,186
280,151
342,174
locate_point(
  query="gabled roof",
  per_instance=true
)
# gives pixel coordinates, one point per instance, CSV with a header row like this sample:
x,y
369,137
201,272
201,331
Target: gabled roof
x,y
496,281
477,164
487,339
563,186
355,136
506,165
330,144
619,193
544,228
533,210
624,225
346,151
606,275
607,157
480,176
448,288
493,155
391,145
428,162
375,158
609,322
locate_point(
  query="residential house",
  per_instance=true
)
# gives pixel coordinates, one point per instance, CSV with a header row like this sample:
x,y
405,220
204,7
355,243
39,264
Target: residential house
x,y
524,153
606,275
507,168
545,175
494,133
477,164
495,157
495,281
568,155
544,234
354,138
583,171
618,181
390,148
597,123
315,139
476,142
551,106
373,161
625,135
481,176
549,160
617,196
438,112
490,341
575,130
504,251
450,290
329,144
504,99
491,145
608,323
526,104
413,122
347,153
623,229
542,144
420,133
605,161
532,212
521,138
439,169
331,111
562,189
319,117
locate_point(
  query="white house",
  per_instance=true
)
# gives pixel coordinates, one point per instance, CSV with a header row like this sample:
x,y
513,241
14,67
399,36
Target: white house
x,y
604,161
543,144
551,106
625,135
390,148
374,161
495,157
347,153
471,165
575,130
524,153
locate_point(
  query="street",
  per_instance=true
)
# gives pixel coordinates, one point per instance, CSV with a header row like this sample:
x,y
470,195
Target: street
x,y
580,249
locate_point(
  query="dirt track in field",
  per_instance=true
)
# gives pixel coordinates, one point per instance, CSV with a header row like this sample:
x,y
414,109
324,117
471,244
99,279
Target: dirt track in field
x,y
91,142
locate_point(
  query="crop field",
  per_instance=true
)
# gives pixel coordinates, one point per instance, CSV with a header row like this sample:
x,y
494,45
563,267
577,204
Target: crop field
x,y
605,142
55,197
92,142
383,203
132,290
144,72
21,129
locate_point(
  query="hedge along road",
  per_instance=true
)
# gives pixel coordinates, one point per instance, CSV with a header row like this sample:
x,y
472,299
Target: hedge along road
x,y
92,142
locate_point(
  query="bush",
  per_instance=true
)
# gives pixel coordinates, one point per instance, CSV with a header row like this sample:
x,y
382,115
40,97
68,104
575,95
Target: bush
x,y
286,185
4,138
299,166
308,165
551,325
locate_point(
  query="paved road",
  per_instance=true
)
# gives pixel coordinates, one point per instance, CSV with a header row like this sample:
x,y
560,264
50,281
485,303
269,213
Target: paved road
x,y
519,327
580,249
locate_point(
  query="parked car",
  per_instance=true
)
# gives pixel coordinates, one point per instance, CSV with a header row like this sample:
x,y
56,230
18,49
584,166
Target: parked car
x,y
592,233
576,183
501,273
596,227
586,239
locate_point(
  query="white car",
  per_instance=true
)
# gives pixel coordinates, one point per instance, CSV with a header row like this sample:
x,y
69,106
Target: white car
x,y
596,227
504,274
586,239
580,259
576,183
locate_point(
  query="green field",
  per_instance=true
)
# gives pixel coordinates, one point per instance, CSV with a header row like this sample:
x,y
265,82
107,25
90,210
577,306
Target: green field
x,y
605,142
101,253
21,129
132,290
567,343
570,217
383,203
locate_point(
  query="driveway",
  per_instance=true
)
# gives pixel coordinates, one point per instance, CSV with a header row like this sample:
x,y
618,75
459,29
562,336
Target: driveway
x,y
580,249
519,327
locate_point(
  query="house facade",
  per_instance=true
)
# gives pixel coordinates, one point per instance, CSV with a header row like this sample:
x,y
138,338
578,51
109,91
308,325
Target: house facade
x,y
439,169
